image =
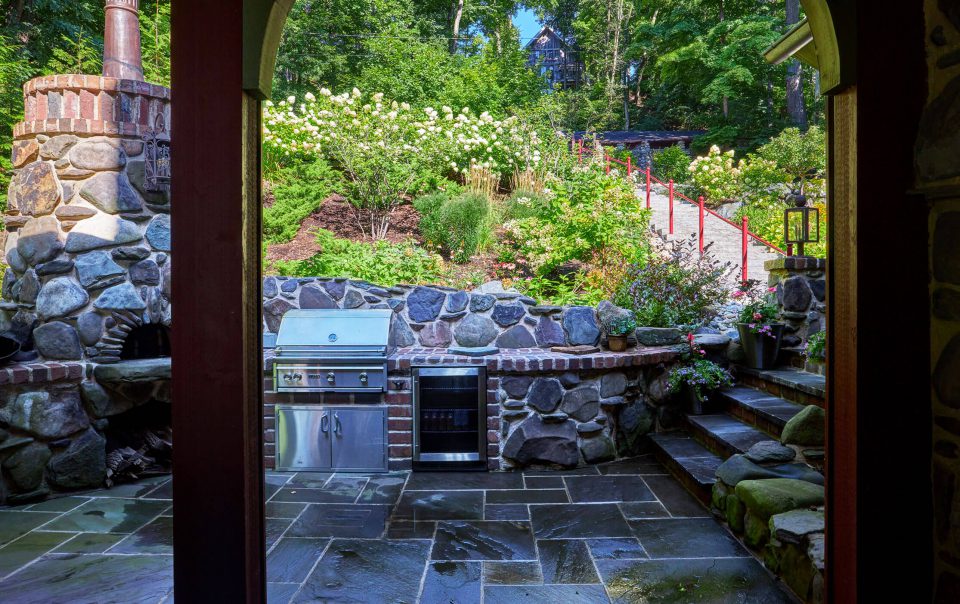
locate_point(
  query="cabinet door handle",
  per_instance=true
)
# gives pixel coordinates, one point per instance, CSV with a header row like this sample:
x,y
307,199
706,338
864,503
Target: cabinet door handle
x,y
324,420
338,427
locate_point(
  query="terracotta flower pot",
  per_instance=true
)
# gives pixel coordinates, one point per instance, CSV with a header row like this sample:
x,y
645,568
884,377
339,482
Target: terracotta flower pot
x,y
617,343
760,350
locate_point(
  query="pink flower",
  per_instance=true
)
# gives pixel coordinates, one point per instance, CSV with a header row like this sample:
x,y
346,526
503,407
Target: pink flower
x,y
690,337
757,316
738,294
770,290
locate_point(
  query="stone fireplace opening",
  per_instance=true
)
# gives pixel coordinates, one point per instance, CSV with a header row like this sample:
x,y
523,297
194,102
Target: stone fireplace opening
x,y
147,341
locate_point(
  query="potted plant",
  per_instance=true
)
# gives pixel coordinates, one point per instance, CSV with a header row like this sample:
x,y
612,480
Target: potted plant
x,y
815,353
618,330
697,379
759,330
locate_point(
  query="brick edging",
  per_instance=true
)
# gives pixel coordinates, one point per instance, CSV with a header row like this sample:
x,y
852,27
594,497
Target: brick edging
x,y
41,373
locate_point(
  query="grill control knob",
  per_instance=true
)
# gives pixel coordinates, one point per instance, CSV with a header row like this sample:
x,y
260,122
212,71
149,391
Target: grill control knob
x,y
331,377
363,377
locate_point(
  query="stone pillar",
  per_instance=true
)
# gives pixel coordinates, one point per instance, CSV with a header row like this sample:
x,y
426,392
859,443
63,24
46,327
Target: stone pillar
x,y
121,41
801,291
88,246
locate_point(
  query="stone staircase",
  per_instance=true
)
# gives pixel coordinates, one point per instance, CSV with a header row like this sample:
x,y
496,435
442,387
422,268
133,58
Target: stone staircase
x,y
726,239
755,410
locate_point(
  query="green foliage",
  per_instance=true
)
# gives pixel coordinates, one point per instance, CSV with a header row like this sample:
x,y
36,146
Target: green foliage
x,y
621,326
378,262
816,347
298,190
702,375
671,163
676,286
458,225
802,156
760,307
79,55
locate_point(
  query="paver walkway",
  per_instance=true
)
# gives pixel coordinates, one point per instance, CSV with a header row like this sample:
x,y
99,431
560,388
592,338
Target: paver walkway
x,y
621,532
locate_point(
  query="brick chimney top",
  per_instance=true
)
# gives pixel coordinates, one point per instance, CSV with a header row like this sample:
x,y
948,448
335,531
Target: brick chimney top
x,y
121,41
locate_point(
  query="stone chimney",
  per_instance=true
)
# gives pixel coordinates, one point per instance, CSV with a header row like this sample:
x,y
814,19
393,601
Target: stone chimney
x,y
121,41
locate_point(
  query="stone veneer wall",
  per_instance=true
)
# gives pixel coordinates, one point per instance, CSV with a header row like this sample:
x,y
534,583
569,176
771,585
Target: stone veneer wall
x,y
438,316
87,245
801,293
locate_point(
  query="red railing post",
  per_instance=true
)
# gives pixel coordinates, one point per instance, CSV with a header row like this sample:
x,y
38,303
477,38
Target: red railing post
x,y
606,161
580,151
648,186
789,249
629,167
701,224
744,226
670,185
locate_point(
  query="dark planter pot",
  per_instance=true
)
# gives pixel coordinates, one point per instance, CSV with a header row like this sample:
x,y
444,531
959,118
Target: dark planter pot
x,y
617,343
759,350
698,405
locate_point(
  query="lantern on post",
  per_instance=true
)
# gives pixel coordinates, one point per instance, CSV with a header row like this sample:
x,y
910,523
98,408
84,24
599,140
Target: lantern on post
x,y
801,224
157,157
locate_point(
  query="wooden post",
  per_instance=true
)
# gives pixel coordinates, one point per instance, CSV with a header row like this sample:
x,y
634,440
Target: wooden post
x,y
744,225
701,224
670,187
648,186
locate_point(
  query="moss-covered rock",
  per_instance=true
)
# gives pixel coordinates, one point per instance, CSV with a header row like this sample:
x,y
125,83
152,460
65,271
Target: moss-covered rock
x,y
718,496
797,571
755,531
805,428
735,512
764,498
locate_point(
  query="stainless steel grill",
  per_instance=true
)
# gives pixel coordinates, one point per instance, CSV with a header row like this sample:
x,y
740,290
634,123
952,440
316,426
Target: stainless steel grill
x,y
332,351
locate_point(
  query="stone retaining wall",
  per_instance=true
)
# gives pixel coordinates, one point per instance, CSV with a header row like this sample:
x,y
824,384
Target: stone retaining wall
x,y
801,293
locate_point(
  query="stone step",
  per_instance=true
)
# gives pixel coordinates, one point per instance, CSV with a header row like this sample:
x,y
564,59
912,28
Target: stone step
x,y
759,408
723,434
787,383
689,461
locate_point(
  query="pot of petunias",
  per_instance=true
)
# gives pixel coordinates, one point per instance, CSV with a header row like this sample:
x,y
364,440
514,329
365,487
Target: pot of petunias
x,y
618,330
815,353
760,333
698,379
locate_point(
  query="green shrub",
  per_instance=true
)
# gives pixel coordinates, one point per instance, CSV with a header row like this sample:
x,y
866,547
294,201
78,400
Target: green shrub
x,y
298,190
459,225
378,262
523,204
671,163
802,156
816,347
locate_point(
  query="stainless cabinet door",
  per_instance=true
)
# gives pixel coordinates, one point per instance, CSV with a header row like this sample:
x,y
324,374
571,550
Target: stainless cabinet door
x,y
359,438
303,438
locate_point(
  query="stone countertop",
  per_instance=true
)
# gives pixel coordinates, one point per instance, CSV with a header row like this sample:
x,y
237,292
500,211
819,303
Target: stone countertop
x,y
41,372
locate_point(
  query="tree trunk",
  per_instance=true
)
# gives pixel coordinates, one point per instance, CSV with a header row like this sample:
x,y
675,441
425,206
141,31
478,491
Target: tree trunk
x,y
795,107
456,11
726,100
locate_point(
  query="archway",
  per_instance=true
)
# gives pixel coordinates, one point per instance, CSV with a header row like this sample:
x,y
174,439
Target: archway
x,y
219,540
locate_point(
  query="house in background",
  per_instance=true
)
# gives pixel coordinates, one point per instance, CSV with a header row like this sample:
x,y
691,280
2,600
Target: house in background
x,y
556,60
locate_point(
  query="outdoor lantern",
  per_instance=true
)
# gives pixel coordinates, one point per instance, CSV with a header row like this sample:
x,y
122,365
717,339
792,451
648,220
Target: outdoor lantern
x,y
800,224
157,164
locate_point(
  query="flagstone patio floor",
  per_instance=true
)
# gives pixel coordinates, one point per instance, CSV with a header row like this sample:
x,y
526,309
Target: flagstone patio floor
x,y
619,532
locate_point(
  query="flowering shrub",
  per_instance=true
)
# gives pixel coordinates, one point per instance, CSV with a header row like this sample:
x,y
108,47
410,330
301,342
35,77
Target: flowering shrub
x,y
698,373
816,347
715,176
759,306
388,150
676,285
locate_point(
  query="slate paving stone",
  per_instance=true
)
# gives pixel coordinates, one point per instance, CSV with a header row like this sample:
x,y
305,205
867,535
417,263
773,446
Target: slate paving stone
x,y
73,578
336,520
29,547
483,540
566,561
506,512
108,516
584,471
89,543
351,567
512,573
703,469
410,529
643,509
164,491
274,528
616,549
435,481
291,559
281,509
686,538
61,504
277,593
340,494
543,482
383,489
639,466
678,501
450,581
440,505
588,489
308,480
577,521
155,538
528,496
680,446
14,523
130,490
703,581
544,594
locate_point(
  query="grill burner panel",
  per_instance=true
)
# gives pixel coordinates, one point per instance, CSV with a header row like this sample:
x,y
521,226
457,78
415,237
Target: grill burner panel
x,y
332,351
